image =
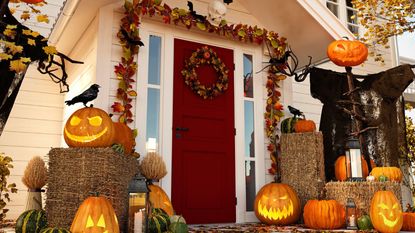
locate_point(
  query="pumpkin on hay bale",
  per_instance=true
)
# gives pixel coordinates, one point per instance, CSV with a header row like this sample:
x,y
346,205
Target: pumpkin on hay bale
x,y
340,168
89,127
392,173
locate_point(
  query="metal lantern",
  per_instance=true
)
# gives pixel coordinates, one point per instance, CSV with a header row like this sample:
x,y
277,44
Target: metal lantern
x,y
354,170
138,205
351,217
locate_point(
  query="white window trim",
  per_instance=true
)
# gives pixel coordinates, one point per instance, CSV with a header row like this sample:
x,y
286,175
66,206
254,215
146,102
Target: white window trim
x,y
342,14
168,34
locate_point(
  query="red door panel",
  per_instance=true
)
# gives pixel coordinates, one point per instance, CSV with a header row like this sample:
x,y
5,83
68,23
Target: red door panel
x,y
203,174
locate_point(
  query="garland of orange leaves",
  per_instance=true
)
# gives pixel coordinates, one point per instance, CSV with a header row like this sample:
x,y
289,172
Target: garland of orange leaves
x,y
129,40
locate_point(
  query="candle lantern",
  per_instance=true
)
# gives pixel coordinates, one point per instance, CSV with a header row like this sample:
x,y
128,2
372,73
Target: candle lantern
x,y
138,205
354,170
351,214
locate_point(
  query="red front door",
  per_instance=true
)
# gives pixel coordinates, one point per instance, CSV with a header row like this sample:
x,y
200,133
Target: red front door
x,y
203,176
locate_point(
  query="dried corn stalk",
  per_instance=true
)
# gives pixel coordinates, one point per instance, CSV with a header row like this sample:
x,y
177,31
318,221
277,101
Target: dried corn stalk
x,y
153,167
35,174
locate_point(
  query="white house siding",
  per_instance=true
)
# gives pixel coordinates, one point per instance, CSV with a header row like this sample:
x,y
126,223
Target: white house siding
x,y
34,126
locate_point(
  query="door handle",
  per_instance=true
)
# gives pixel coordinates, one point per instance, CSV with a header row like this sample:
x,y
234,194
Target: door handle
x,y
182,129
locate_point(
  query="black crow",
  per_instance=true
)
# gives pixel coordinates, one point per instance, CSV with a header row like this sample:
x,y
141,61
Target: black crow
x,y
88,95
294,111
131,41
196,16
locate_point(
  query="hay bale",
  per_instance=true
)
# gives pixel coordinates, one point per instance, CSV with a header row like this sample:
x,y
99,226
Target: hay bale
x,y
361,192
75,172
302,164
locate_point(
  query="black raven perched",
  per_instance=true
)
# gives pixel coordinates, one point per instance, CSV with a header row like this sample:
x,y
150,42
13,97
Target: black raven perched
x,y
196,16
88,95
294,111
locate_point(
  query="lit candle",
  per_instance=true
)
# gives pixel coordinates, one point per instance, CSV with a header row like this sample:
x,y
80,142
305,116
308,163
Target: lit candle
x,y
352,221
138,222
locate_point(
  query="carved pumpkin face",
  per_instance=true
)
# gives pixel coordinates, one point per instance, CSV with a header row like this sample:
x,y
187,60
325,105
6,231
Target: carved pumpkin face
x,y
89,127
347,52
386,212
159,199
95,215
277,204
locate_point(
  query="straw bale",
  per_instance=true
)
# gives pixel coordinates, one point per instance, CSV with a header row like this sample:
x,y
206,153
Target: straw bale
x,y
76,172
361,192
302,164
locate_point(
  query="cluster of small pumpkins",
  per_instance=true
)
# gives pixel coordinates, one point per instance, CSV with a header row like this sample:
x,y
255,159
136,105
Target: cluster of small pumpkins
x,y
377,174
96,214
297,125
93,127
278,204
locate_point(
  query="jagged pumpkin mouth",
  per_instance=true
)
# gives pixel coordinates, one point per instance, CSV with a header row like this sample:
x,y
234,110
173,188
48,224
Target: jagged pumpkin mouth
x,y
86,138
387,222
276,213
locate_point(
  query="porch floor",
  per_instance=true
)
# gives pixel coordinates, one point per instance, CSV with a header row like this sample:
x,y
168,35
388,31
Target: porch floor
x,y
255,227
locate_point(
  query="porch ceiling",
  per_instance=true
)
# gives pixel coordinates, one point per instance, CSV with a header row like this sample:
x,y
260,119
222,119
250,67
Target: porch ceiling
x,y
306,33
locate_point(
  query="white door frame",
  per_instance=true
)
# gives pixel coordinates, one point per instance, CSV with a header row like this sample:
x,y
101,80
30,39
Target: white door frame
x,y
168,33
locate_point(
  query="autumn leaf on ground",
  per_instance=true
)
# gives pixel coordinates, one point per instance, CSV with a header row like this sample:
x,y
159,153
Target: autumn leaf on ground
x,y
42,18
50,50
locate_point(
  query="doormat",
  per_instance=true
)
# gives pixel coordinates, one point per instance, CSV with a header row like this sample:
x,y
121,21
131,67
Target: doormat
x,y
255,227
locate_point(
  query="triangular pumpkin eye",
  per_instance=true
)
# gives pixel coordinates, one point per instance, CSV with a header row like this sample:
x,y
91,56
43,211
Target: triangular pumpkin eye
x,y
101,221
89,222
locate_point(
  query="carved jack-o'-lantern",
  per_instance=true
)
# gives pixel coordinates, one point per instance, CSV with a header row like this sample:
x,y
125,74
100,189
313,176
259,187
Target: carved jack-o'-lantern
x,y
95,215
347,52
89,127
386,212
159,199
277,204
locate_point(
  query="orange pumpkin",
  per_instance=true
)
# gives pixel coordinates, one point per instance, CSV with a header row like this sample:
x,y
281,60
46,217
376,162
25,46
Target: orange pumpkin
x,y
95,215
124,136
324,214
277,204
159,199
89,127
408,222
393,173
32,1
386,212
340,168
347,52
304,125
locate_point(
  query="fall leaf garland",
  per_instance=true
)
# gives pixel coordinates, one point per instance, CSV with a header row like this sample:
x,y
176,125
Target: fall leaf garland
x,y
273,114
202,56
129,36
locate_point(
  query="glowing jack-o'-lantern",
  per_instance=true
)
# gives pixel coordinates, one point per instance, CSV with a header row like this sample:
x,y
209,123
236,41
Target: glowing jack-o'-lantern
x,y
95,215
159,199
89,127
347,52
277,204
386,212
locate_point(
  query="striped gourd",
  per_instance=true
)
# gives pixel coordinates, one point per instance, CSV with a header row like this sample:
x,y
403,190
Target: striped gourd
x,y
31,221
159,221
55,230
287,125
